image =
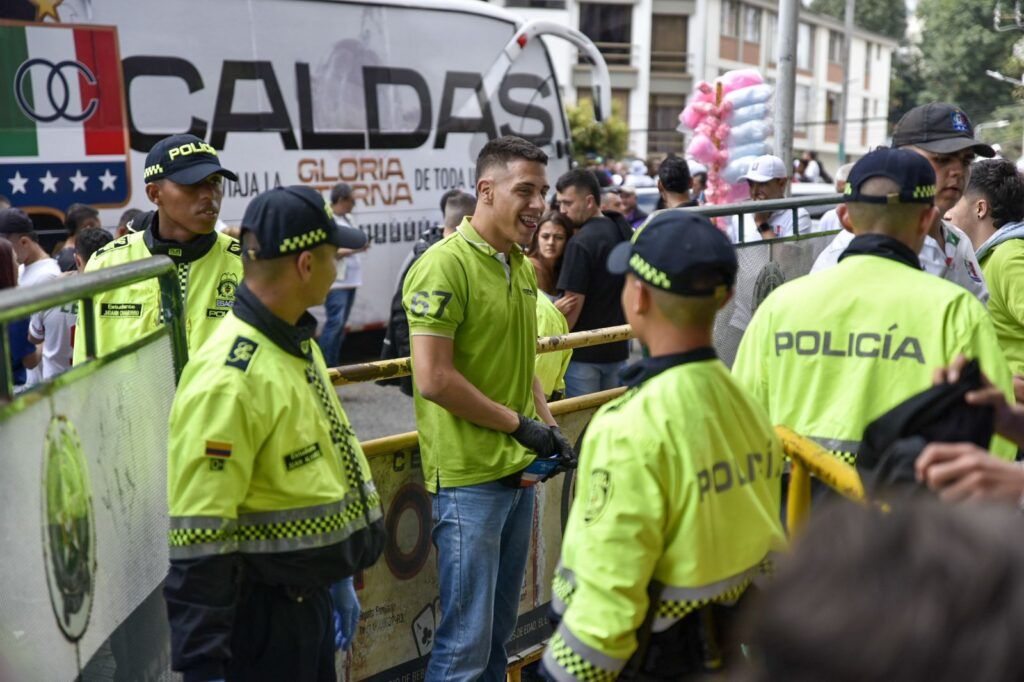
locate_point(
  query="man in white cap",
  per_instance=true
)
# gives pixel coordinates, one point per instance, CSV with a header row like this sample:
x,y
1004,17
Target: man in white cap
x,y
767,179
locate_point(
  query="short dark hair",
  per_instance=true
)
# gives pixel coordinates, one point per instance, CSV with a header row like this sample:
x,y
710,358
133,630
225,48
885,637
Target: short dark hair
x,y
674,174
583,180
912,595
76,215
1001,185
129,216
448,195
91,240
341,191
502,150
458,206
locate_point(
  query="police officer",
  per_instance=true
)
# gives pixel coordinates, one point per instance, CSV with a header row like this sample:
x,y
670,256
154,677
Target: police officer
x,y
827,353
677,495
184,179
270,495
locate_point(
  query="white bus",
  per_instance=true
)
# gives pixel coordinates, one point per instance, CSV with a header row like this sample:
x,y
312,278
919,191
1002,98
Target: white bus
x,y
395,98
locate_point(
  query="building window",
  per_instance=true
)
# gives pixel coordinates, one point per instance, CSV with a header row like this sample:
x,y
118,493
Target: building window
x,y
802,108
662,120
772,38
536,4
832,100
835,47
668,43
805,47
731,18
751,24
867,65
611,29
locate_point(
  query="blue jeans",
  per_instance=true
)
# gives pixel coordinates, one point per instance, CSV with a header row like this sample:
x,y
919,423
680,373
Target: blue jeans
x,y
582,378
339,306
482,535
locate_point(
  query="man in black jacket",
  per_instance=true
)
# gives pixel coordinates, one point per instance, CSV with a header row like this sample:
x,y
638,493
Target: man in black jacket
x,y
590,298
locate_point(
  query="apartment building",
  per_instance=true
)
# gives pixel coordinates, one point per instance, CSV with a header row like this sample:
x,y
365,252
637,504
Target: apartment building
x,y
657,49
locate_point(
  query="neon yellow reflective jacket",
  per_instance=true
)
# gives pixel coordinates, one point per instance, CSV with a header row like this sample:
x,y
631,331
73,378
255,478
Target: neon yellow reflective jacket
x,y
551,367
209,270
262,458
678,488
1003,266
828,353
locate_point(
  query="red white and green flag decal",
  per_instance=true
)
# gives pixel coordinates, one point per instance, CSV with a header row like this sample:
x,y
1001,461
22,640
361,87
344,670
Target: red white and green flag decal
x,y
63,137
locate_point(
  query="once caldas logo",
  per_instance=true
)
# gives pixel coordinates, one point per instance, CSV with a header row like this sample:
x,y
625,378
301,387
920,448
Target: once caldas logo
x,y
69,538
64,136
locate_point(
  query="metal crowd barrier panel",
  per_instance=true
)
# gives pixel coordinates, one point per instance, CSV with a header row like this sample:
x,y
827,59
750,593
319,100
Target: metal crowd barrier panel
x,y
742,209
85,495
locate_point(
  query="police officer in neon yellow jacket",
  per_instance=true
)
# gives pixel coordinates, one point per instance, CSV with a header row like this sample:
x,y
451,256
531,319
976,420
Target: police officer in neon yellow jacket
x,y
184,179
828,353
271,499
677,496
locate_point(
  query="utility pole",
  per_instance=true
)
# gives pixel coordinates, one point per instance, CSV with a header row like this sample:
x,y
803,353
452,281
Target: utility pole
x,y
785,88
844,106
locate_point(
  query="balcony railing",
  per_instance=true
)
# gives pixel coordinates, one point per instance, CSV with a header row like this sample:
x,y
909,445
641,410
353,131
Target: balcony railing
x,y
668,61
616,54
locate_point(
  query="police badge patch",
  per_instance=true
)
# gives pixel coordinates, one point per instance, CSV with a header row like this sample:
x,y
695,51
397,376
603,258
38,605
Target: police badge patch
x,y
599,495
226,288
241,353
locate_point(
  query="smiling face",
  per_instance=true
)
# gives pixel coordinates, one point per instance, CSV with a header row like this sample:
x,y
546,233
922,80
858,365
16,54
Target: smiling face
x,y
762,191
951,174
514,195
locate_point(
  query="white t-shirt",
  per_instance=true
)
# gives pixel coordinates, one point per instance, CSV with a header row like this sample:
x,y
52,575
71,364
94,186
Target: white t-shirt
x,y
829,222
36,273
350,268
830,256
957,263
781,222
56,327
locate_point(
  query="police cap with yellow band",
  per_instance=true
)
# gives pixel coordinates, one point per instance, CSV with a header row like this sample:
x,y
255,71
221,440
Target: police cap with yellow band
x,y
288,220
909,170
184,159
679,252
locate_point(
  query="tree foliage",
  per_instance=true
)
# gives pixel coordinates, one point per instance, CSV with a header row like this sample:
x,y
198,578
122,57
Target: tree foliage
x,y
906,84
958,44
888,17
608,139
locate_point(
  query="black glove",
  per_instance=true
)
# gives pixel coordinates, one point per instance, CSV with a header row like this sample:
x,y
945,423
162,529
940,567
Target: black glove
x,y
566,456
537,436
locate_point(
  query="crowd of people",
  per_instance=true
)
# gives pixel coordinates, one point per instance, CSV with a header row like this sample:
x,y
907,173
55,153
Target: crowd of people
x,y
672,556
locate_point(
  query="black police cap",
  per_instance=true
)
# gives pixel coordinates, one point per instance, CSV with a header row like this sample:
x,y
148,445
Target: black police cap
x,y
674,250
287,220
939,128
911,171
184,159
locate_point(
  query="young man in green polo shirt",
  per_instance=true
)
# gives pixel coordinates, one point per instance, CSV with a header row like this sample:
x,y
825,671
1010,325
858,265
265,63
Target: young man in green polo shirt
x,y
471,301
677,498
991,212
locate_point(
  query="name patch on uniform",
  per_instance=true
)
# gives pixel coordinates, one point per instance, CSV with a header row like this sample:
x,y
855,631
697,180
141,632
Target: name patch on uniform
x,y
218,448
302,456
241,353
120,310
216,312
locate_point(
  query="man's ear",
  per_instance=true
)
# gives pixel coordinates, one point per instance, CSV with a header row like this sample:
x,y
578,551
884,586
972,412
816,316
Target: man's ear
x,y
153,192
843,213
304,265
982,209
642,302
485,190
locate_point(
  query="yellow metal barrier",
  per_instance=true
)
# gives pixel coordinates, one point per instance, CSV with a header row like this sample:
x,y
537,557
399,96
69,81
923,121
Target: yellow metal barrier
x,y
402,367
810,458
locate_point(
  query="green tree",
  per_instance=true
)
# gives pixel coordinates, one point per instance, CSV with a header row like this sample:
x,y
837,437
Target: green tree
x,y
958,43
888,17
607,139
906,83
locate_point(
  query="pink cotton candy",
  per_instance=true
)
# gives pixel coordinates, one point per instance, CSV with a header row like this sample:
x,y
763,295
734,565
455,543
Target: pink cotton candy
x,y
702,148
739,78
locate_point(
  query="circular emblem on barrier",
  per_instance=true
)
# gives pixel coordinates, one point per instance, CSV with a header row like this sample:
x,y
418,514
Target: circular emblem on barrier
x,y
69,538
770,277
408,518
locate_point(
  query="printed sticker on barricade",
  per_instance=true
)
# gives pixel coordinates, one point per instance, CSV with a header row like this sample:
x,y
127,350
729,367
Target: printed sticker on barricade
x,y
399,594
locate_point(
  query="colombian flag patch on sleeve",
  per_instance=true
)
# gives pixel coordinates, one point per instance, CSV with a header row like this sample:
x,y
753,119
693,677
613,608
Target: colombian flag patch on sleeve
x,y
216,448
